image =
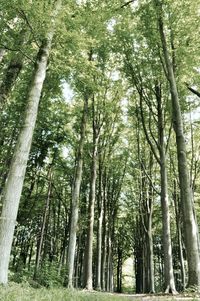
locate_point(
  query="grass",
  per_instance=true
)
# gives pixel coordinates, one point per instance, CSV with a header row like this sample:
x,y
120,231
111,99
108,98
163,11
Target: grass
x,y
23,292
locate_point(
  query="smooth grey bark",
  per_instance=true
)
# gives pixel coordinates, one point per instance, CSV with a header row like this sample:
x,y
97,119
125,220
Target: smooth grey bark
x,y
179,234
99,228
75,198
109,281
146,200
151,279
168,263
104,241
148,231
189,223
169,285
89,241
151,260
43,226
15,179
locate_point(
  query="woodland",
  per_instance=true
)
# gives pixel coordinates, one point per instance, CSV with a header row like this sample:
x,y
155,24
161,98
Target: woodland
x,y
99,144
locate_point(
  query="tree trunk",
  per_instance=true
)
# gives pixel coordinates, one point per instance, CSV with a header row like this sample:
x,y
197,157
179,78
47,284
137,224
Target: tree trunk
x,y
119,268
109,281
180,244
138,252
89,243
14,184
168,264
75,198
169,285
190,227
43,226
104,242
150,249
99,229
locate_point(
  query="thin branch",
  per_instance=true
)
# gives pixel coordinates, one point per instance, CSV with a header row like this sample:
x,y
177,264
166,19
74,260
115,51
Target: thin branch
x,y
163,64
193,90
17,49
152,134
168,138
8,48
23,15
127,3
149,178
145,130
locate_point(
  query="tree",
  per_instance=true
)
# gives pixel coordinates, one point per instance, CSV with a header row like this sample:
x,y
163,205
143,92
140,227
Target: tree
x,y
14,184
75,195
190,226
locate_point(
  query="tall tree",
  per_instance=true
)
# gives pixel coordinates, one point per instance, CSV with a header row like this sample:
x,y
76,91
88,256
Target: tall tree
x,y
75,195
96,127
14,184
190,226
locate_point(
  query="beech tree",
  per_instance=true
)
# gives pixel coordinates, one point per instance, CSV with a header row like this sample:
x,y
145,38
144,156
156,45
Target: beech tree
x,y
14,183
190,226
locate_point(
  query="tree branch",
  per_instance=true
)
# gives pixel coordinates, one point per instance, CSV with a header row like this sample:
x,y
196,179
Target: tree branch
x,y
17,49
145,130
193,90
127,3
23,15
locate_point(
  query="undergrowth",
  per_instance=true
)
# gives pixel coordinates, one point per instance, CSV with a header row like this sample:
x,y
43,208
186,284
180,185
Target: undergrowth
x,y
24,292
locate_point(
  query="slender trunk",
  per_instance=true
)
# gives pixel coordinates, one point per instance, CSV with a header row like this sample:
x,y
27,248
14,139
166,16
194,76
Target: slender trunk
x,y
99,230
110,266
150,253
149,233
30,255
138,248
180,244
168,264
75,198
161,268
77,262
89,242
189,223
149,213
99,249
104,244
169,284
119,268
14,184
146,201
63,249
43,226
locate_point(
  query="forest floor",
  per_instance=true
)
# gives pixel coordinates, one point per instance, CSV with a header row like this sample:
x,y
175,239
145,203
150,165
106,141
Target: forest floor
x,y
24,292
159,297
